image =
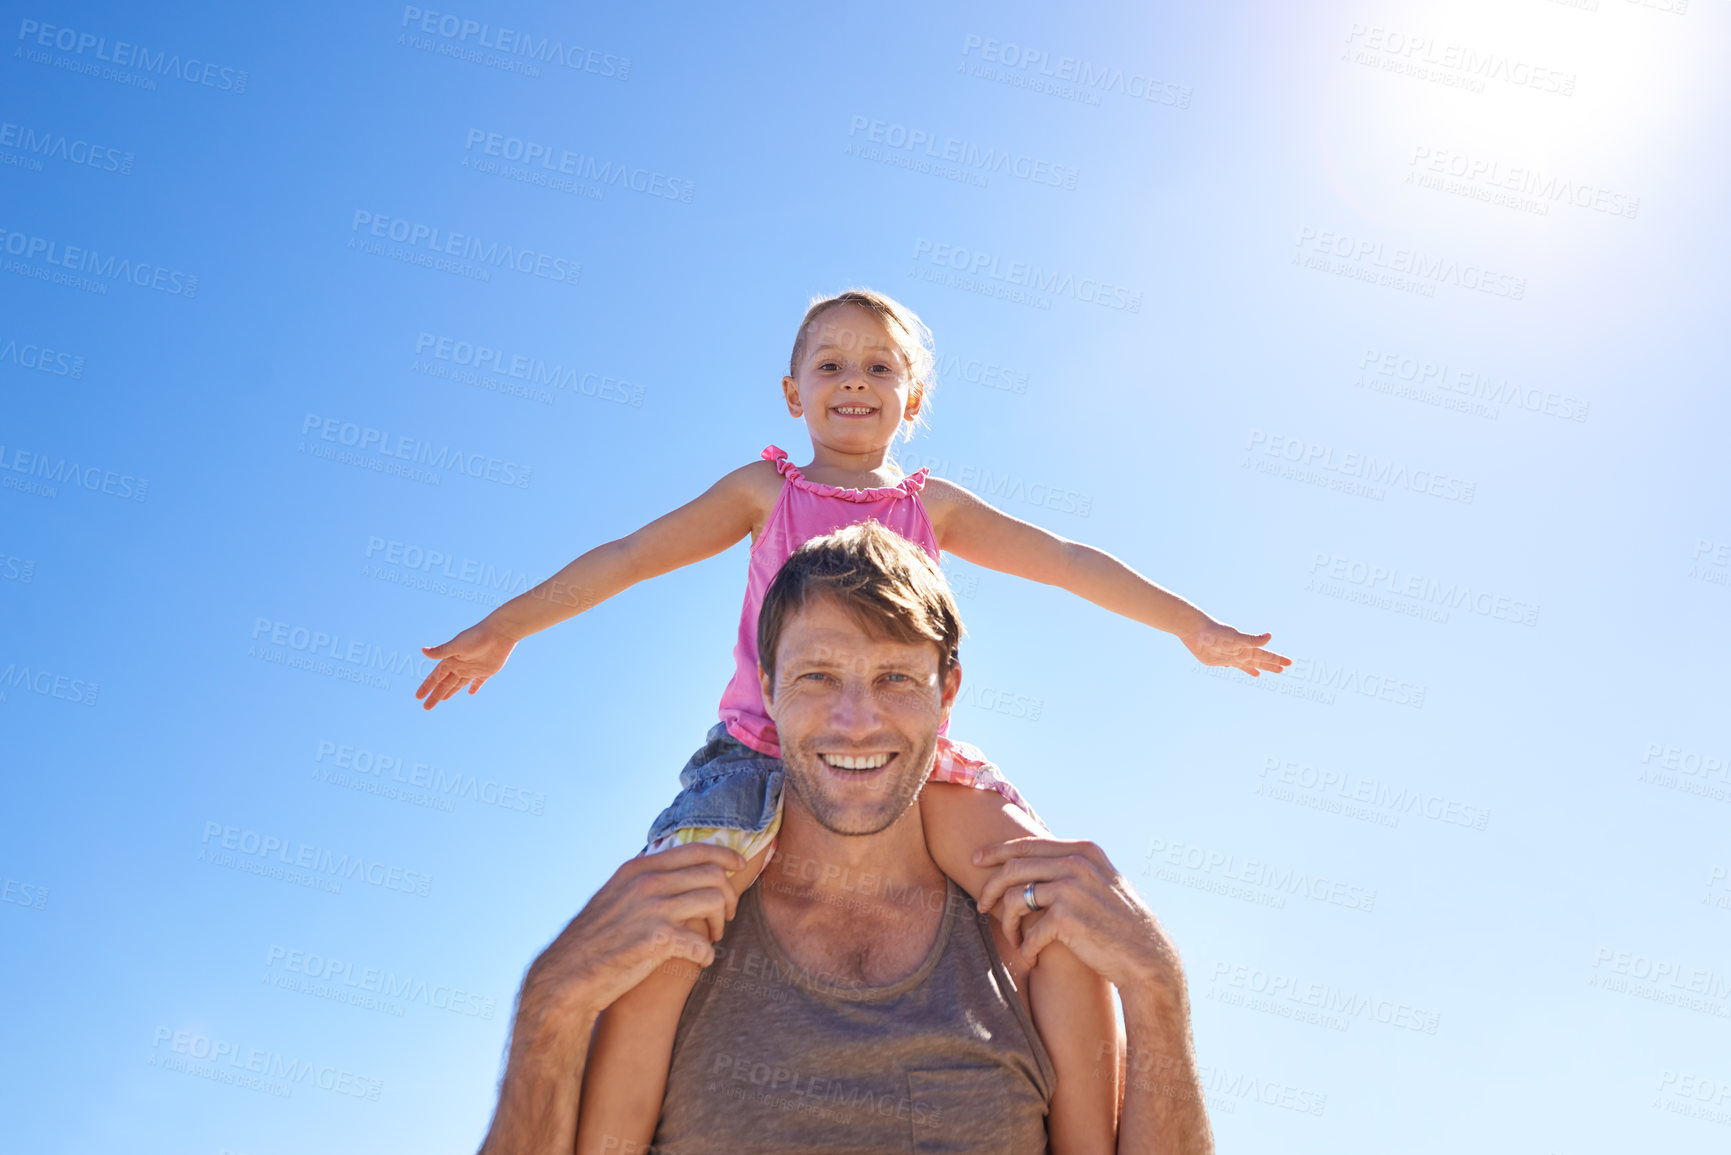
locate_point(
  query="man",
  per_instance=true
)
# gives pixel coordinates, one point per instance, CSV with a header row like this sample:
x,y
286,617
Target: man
x,y
869,1022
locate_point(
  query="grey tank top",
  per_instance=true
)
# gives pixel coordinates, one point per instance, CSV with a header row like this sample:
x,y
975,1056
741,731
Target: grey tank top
x,y
771,1058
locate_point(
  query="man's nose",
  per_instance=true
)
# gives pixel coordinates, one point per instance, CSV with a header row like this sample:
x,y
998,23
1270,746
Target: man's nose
x,y
855,709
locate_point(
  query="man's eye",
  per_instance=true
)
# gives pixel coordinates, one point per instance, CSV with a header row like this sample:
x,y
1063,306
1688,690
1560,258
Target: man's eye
x,y
897,678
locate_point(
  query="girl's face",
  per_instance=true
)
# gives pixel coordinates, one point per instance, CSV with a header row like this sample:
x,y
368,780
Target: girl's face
x,y
853,387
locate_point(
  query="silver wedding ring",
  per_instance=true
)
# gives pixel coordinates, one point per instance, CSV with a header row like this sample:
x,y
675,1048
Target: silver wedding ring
x,y
1028,896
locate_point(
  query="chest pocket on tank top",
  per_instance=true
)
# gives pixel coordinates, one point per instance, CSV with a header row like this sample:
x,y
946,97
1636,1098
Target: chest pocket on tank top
x,y
965,1110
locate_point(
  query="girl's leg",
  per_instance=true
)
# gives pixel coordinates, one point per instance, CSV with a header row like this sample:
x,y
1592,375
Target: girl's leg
x,y
1072,1004
736,787
626,1076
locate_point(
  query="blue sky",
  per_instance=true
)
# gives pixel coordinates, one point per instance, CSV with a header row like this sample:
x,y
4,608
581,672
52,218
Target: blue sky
x,y
1396,329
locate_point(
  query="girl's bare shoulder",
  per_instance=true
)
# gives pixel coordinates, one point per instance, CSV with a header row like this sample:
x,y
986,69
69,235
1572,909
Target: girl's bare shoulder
x,y
942,499
758,483
942,490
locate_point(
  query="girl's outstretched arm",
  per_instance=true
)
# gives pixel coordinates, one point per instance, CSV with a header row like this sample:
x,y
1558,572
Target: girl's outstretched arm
x,y
975,531
736,505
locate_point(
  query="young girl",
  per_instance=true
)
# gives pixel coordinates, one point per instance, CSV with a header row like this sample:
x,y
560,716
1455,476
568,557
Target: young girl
x,y
859,375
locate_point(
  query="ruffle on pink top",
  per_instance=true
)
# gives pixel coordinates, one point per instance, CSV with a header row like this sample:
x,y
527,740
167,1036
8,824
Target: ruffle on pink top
x,y
906,487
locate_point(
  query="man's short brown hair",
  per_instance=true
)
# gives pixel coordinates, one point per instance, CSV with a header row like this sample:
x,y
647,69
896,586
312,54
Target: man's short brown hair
x,y
888,584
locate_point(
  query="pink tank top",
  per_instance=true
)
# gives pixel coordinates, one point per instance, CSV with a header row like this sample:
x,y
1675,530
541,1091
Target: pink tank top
x,y
805,510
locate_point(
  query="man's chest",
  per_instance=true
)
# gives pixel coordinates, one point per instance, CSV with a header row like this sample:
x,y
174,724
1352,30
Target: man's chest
x,y
766,1065
864,960
856,946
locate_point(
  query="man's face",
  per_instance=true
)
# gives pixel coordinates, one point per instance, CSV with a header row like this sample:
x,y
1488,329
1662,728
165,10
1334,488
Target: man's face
x,y
857,715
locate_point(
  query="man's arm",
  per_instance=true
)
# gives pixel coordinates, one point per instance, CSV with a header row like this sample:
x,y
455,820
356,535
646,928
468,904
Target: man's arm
x,y
538,1097
632,925
1093,910
1163,1107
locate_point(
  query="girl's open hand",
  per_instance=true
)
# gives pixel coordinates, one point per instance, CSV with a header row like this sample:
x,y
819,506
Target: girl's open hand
x,y
1218,644
471,657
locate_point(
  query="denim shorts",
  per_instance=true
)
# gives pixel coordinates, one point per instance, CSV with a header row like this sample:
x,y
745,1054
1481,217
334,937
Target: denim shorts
x,y
726,785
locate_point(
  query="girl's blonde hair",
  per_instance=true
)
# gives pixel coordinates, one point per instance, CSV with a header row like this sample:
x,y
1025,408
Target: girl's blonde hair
x,y
907,330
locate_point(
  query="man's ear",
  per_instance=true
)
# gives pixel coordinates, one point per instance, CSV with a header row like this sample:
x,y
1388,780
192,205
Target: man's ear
x,y
763,684
952,686
790,390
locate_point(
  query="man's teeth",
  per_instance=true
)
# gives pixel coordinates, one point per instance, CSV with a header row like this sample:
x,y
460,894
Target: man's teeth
x,y
856,762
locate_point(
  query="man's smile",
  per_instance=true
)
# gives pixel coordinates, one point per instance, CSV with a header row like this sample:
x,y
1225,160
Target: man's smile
x,y
866,762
